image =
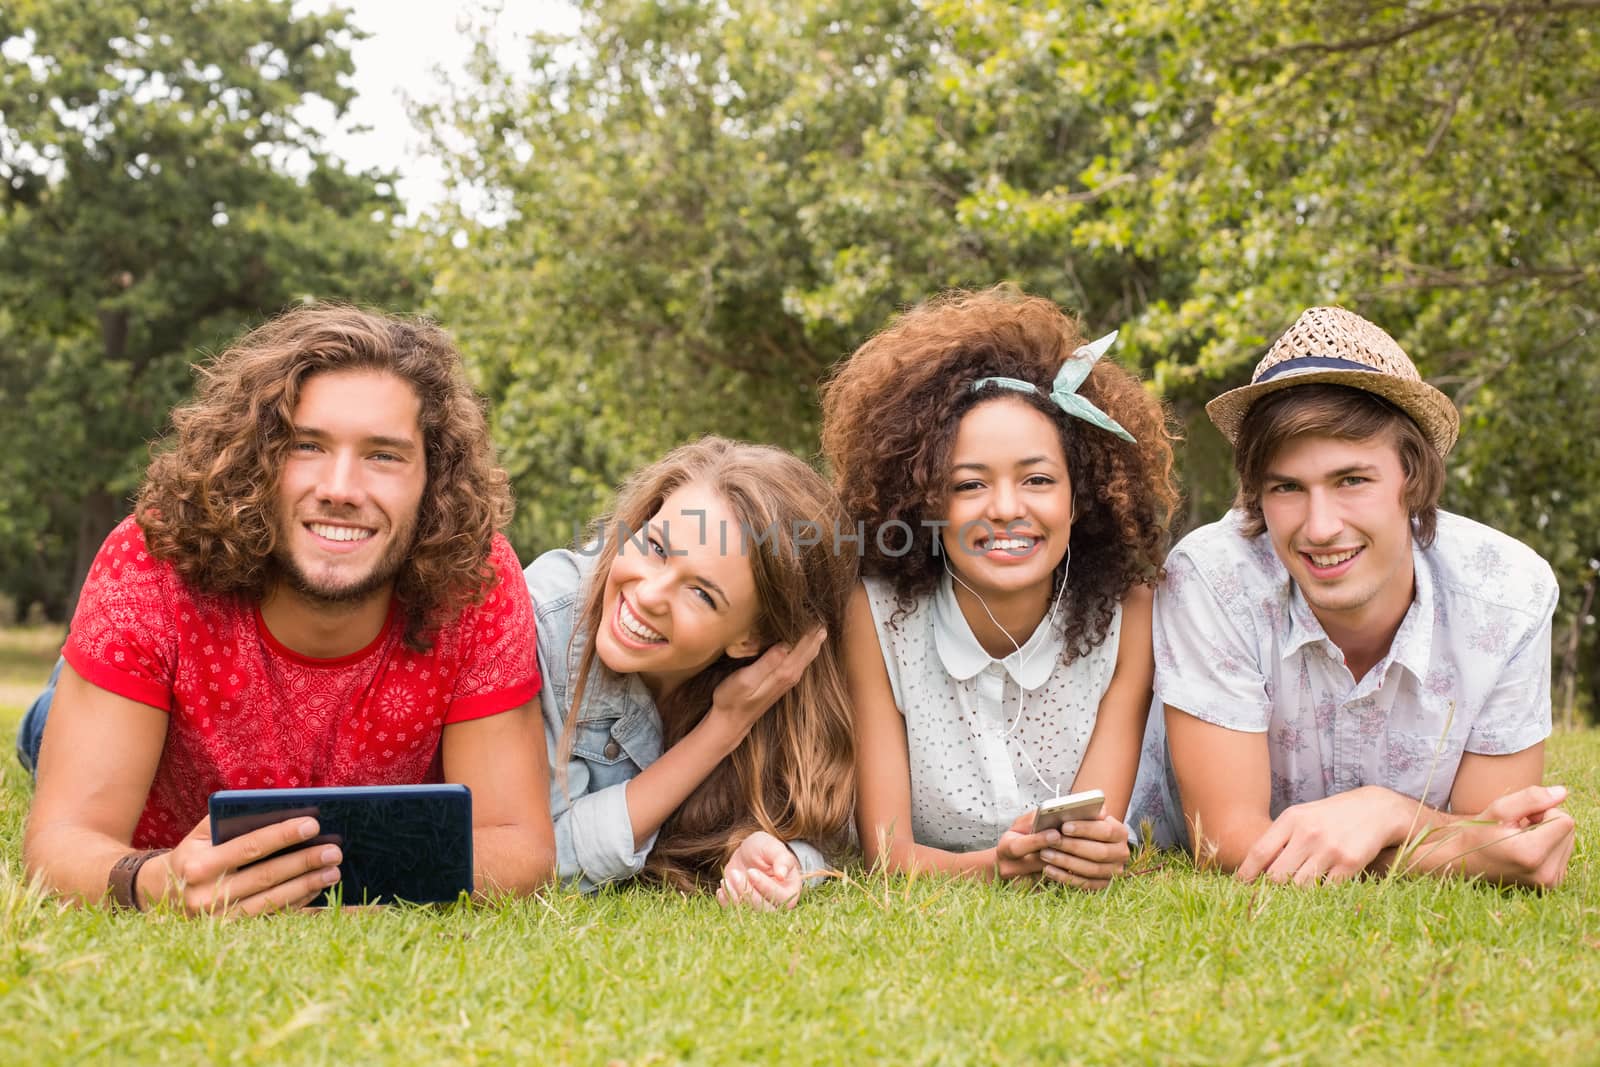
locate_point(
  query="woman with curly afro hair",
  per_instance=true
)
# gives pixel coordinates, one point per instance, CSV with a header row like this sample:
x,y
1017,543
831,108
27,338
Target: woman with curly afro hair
x,y
1011,494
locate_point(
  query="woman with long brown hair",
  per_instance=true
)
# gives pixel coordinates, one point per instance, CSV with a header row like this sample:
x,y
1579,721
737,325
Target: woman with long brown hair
x,y
1015,493
694,700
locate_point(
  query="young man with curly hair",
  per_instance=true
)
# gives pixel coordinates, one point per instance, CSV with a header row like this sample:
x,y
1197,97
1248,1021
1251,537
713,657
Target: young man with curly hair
x,y
1353,678
311,592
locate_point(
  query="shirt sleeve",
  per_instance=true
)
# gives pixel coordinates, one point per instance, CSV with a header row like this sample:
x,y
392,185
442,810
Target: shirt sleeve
x,y
594,839
594,832
123,637
1205,666
1516,715
1155,788
499,669
813,865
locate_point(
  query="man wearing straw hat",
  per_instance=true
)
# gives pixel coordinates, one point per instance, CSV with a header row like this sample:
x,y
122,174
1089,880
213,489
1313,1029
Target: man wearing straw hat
x,y
1352,678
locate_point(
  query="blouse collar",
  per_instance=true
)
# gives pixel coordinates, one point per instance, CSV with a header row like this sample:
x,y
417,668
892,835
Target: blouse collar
x,y
964,657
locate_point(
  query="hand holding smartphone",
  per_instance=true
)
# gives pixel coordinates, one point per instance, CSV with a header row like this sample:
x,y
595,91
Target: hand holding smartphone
x,y
1086,804
1097,850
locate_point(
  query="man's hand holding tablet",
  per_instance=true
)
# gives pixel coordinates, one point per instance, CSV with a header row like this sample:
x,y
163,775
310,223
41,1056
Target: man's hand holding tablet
x,y
394,843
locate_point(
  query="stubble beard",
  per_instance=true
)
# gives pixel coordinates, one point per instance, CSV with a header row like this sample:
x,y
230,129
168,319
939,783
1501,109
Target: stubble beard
x,y
375,581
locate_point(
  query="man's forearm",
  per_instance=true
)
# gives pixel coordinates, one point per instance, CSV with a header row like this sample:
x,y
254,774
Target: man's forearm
x,y
1223,843
1520,838
1470,846
1442,843
512,859
71,860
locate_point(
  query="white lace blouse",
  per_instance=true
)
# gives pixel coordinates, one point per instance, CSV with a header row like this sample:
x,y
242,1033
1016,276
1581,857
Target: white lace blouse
x,y
988,738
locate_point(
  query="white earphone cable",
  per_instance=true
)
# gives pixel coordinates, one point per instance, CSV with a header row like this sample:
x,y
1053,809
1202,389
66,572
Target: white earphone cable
x,y
1022,661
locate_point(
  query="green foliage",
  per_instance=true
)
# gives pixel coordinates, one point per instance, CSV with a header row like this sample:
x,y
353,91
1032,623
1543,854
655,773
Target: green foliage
x,y
706,206
1431,165
702,206
158,195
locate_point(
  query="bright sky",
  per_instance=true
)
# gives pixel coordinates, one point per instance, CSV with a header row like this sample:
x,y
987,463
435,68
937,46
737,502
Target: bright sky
x,y
409,40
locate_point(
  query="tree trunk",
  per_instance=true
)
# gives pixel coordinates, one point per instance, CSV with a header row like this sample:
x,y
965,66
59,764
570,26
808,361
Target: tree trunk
x,y
99,512
98,516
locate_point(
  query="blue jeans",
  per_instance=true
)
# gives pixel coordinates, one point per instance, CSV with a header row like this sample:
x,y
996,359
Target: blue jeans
x,y
30,734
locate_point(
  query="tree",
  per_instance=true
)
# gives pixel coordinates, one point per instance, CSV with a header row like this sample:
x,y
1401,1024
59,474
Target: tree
x,y
157,194
1431,165
704,205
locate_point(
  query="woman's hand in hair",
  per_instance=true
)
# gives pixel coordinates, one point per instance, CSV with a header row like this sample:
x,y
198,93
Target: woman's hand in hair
x,y
762,873
1017,854
1090,853
746,694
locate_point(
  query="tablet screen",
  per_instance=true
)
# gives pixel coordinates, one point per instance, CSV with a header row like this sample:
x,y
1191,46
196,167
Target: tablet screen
x,y
410,842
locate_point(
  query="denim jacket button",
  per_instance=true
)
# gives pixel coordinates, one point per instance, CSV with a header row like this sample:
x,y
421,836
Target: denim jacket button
x,y
613,749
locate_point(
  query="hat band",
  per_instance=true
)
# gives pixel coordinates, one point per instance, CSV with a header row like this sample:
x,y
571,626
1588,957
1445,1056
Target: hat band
x,y
1304,363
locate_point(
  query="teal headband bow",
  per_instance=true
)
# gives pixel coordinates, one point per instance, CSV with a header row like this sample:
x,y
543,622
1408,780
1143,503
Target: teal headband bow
x,y
1064,391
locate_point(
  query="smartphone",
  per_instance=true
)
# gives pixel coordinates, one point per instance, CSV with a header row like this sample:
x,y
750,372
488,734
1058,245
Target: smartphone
x,y
403,842
1083,805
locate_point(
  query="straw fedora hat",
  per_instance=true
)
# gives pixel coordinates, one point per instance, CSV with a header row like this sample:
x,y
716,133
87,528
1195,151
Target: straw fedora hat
x,y
1339,347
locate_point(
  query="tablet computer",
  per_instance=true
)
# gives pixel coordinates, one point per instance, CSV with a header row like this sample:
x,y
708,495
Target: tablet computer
x,y
400,842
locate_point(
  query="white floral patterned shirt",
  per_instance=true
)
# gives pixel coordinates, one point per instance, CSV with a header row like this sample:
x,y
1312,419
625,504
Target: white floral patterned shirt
x,y
1237,645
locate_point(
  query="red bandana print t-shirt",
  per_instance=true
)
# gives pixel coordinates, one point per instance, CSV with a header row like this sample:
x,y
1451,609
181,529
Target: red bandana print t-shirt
x,y
245,712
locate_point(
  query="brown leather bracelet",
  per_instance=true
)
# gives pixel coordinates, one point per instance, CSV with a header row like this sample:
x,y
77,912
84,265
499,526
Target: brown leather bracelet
x,y
124,878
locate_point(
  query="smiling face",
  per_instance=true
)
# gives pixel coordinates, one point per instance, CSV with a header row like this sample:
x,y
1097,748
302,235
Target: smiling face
x,y
1009,505
680,593
350,487
1336,513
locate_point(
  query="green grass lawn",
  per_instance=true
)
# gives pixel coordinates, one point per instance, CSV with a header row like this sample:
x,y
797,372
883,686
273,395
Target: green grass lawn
x,y
1169,965
26,656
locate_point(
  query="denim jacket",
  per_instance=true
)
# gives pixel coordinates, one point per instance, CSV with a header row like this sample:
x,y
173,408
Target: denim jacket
x,y
618,734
